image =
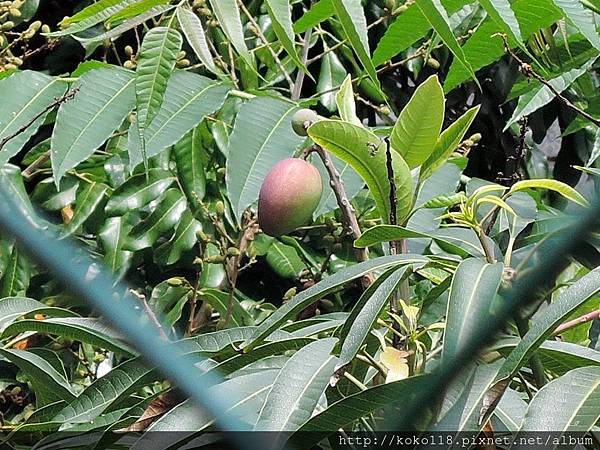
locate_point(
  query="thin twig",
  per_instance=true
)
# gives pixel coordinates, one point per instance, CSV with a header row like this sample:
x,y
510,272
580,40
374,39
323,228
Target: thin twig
x,y
57,101
265,41
529,72
151,315
31,169
576,322
348,213
297,90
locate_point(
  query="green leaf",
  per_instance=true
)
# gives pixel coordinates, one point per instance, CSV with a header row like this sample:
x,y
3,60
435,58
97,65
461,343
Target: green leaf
x,y
482,49
349,409
366,153
126,25
138,192
25,95
582,19
262,136
553,185
12,183
14,308
166,215
353,21
501,13
220,302
186,419
89,196
188,99
437,16
16,276
133,10
228,15
447,142
281,21
331,75
86,122
472,292
158,55
345,102
48,384
365,313
318,12
557,357
182,240
298,387
407,28
567,301
284,260
190,161
566,404
305,298
91,331
386,233
112,236
416,132
542,95
192,29
105,393
90,16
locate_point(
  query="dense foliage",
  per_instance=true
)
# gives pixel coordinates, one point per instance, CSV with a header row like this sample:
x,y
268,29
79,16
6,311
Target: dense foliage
x,y
456,142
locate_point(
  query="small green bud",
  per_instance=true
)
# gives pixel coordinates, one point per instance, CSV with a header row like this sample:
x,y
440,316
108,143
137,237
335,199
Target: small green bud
x,y
45,29
214,259
129,64
183,63
433,63
468,143
128,50
384,110
476,137
220,207
175,281
9,25
202,236
233,251
14,12
9,66
289,294
181,54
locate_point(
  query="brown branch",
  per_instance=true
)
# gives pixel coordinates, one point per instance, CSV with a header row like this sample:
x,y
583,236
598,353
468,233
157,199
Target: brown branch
x,y
57,101
578,321
297,90
348,213
529,72
151,315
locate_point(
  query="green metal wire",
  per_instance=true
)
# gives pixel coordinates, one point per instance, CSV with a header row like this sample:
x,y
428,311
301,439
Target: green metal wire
x,y
89,280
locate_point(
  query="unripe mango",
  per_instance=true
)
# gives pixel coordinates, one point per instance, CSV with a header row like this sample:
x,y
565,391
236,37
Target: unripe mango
x,y
302,119
289,195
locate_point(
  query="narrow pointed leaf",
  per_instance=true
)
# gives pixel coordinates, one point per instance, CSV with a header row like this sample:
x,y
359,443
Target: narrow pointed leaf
x,y
298,387
49,385
582,19
501,13
25,95
366,153
16,276
318,12
166,215
354,23
182,240
437,16
447,142
14,308
567,404
305,298
89,197
472,292
228,15
188,99
158,55
345,102
105,392
281,18
86,122
190,162
192,29
112,237
139,191
365,313
554,185
416,132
